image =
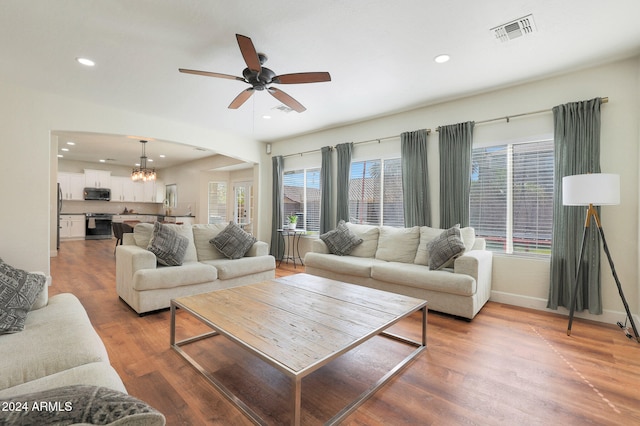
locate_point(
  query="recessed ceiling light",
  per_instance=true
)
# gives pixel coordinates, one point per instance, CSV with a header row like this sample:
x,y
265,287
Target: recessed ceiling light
x,y
86,62
441,59
64,149
60,156
103,161
150,160
71,143
266,117
162,156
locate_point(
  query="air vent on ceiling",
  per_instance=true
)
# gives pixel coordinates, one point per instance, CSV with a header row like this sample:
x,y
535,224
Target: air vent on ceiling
x,y
519,28
283,108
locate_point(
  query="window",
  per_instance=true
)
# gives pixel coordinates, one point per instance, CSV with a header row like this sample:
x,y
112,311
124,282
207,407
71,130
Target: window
x,y
511,199
375,192
302,197
217,202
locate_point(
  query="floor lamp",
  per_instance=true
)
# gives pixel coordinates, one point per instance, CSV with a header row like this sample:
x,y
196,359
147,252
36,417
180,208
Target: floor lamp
x,y
595,189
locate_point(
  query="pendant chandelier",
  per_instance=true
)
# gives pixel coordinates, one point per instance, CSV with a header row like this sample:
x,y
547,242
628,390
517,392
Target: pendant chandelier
x,y
142,173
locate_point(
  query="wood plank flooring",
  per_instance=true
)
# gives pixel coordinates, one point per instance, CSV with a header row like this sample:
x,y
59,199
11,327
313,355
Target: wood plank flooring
x,y
508,366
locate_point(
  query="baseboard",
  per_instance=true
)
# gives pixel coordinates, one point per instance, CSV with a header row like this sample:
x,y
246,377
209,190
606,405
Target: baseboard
x,y
608,316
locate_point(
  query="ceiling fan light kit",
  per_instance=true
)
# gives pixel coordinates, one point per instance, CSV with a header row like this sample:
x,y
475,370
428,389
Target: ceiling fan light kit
x,y
261,78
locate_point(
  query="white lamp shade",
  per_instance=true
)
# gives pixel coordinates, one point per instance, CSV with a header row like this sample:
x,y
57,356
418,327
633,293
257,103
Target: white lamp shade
x,y
598,189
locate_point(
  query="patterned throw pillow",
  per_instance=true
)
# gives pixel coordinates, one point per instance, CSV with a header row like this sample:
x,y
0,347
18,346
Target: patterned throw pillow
x,y
445,248
233,241
79,404
18,290
168,246
341,240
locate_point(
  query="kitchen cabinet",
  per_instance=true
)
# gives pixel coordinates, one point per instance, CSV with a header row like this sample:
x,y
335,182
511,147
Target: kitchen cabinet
x,y
97,178
185,220
146,218
72,226
71,185
154,191
123,189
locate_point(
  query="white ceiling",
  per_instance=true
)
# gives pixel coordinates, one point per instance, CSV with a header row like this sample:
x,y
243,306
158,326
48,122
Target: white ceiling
x,y
379,53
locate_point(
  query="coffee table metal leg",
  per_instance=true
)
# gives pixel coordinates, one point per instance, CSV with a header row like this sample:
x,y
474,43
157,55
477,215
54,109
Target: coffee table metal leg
x,y
297,400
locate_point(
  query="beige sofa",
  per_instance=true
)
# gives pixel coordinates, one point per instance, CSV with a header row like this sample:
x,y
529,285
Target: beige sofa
x,y
397,260
147,286
57,347
57,371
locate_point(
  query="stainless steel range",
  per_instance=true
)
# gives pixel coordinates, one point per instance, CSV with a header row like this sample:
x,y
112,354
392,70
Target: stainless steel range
x,y
98,226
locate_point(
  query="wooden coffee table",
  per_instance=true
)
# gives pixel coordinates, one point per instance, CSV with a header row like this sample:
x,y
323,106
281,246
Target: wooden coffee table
x,y
298,324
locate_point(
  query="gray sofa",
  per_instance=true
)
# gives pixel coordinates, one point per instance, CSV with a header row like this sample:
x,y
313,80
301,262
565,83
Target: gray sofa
x,y
397,260
147,286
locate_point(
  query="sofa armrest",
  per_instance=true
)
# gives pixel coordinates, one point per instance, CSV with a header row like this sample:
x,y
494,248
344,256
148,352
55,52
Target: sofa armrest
x,y
133,258
319,246
477,264
259,248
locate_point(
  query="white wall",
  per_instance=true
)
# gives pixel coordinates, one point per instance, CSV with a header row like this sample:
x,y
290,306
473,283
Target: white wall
x,y
517,280
27,168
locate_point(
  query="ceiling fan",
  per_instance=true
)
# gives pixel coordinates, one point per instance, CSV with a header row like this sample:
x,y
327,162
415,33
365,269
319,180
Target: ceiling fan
x,y
261,78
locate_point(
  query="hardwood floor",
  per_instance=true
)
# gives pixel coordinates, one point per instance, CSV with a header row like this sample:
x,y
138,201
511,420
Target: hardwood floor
x,y
507,366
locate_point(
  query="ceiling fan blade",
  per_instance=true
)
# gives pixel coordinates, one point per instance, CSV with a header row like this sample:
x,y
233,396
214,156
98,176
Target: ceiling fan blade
x,y
302,77
210,74
241,98
286,99
249,53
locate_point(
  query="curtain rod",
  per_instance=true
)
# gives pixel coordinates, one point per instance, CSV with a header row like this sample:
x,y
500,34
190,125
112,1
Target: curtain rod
x,y
379,140
509,117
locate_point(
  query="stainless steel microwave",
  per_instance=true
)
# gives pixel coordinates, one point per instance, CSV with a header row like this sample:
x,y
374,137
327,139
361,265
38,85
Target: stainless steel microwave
x,y
102,194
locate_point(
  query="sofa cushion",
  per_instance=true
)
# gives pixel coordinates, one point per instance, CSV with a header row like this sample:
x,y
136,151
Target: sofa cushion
x,y
97,373
168,246
445,248
56,338
398,244
188,273
348,265
468,235
233,241
234,268
19,289
81,404
420,276
341,240
427,234
369,235
202,234
142,234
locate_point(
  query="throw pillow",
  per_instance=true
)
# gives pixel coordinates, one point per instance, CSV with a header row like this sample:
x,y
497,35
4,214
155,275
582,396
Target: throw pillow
x,y
445,248
18,290
341,240
233,241
79,404
168,246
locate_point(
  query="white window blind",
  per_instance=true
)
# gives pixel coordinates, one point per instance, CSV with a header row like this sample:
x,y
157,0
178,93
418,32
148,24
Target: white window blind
x,y
511,198
375,192
301,191
217,202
